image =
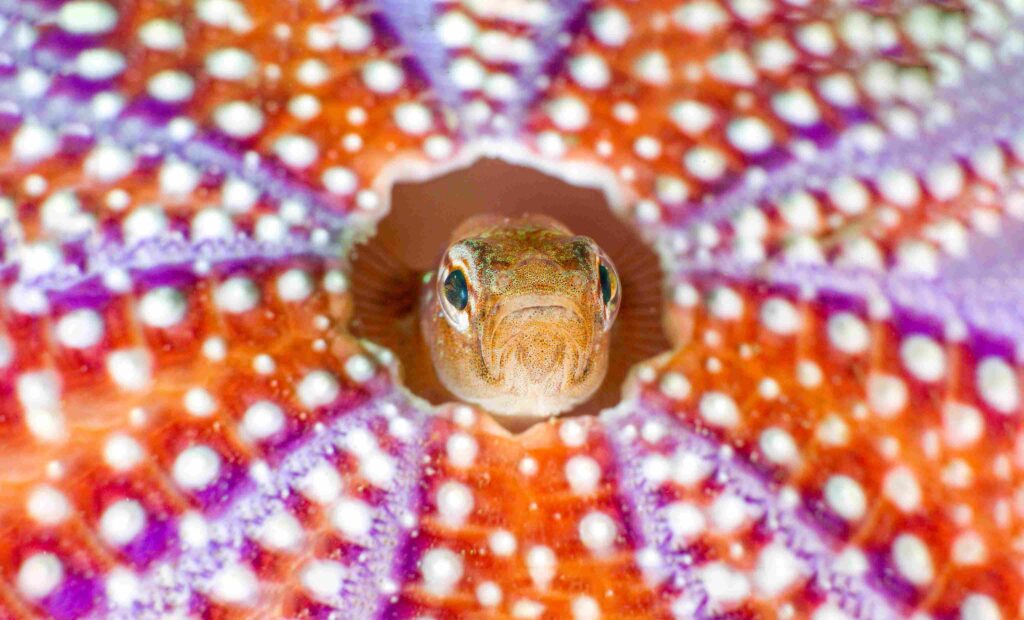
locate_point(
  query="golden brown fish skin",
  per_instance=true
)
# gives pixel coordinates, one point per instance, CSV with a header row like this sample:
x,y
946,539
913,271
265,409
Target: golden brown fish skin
x,y
533,339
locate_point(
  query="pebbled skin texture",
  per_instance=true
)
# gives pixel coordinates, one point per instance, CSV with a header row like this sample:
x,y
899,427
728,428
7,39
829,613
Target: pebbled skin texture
x,y
187,430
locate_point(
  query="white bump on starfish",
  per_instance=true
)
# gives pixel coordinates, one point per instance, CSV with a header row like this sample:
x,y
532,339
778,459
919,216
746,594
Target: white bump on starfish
x,y
39,575
998,385
541,564
230,64
923,358
845,497
318,388
196,467
913,560
162,35
122,522
442,569
962,424
719,409
583,474
454,503
87,17
47,506
900,487
597,532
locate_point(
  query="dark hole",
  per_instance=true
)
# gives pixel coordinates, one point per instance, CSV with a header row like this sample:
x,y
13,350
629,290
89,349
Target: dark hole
x,y
410,239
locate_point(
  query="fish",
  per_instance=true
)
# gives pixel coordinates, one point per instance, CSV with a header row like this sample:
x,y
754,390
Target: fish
x,y
199,420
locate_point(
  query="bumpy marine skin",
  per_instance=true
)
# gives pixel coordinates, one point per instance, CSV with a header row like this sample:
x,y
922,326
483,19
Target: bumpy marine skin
x,y
534,337
188,432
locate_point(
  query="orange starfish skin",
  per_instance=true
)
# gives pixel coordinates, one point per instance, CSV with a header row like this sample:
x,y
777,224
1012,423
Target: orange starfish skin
x,y
187,431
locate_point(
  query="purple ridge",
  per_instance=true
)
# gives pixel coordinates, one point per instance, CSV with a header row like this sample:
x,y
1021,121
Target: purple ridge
x,y
413,23
853,595
566,19
135,129
157,252
982,109
172,585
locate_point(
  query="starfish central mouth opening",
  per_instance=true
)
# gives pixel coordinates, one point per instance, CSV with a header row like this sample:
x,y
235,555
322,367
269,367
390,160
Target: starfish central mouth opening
x,y
389,267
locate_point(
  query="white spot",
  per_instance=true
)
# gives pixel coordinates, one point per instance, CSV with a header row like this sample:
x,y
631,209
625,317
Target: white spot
x,y
610,26
583,474
728,512
108,163
199,402
569,113
980,607
413,118
923,357
912,559
121,587
171,86
780,316
321,484
652,67
359,368
238,119
572,433
899,187
352,517
597,532
589,71
887,394
230,64
461,450
383,76
725,304
280,532
80,329
750,135
235,584
718,409
455,30
845,497
48,506
442,570
162,307
33,143
121,452
87,17
777,570
340,181
674,385
585,608
122,522
962,424
196,467
685,521
848,333
692,117
323,579
317,389
724,584
262,419
294,285
39,575
296,151
705,163
997,385
778,446
502,543
488,594
99,63
454,503
541,563
162,35
901,488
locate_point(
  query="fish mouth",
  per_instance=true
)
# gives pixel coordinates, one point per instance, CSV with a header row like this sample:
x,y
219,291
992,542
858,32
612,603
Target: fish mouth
x,y
536,345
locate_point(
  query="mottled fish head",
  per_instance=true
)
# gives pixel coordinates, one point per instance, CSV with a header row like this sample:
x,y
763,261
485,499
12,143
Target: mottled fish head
x,y
518,315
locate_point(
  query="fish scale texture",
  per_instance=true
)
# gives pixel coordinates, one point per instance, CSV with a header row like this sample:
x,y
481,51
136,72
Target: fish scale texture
x,y
187,430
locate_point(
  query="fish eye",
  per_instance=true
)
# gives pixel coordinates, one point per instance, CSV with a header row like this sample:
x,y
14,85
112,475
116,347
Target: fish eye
x,y
606,283
455,289
610,287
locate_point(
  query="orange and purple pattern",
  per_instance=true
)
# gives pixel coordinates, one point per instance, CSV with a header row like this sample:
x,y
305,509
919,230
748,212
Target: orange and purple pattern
x,y
187,431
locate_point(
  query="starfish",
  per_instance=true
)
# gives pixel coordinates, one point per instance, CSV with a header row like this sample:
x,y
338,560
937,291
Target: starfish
x,y
187,429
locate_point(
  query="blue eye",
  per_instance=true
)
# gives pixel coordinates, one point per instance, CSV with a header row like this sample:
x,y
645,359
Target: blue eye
x,y
455,289
606,283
